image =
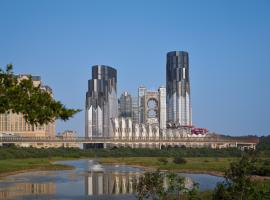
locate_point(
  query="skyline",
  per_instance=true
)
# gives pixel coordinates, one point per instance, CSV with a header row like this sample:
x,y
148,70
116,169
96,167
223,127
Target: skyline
x,y
44,39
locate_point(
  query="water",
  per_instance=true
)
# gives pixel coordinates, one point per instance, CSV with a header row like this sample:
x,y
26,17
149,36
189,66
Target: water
x,y
87,181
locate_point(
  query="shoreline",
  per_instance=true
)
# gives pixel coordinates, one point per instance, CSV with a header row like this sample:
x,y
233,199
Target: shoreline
x,y
211,173
11,173
153,168
54,166
50,166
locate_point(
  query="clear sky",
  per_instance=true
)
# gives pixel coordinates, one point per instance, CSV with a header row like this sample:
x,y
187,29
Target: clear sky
x,y
228,43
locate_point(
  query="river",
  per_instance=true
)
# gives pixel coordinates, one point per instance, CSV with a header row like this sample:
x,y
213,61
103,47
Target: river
x,y
88,180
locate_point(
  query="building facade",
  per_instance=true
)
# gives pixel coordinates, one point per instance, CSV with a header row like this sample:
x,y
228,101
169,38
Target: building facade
x,y
135,110
125,105
15,124
152,106
101,101
178,89
68,134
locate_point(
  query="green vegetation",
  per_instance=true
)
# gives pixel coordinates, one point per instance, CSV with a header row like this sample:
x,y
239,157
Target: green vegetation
x,y
264,144
151,186
197,160
20,153
36,104
238,170
162,160
16,152
237,186
13,165
179,160
193,164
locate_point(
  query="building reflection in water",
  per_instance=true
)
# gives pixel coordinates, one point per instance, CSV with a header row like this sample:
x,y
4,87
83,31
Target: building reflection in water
x,y
109,183
24,189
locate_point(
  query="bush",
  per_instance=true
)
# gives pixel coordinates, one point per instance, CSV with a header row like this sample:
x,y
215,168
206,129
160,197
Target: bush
x,y
164,161
238,183
17,152
179,160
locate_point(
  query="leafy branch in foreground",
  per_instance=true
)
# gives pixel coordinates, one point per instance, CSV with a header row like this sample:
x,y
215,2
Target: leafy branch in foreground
x,y
36,104
161,186
238,184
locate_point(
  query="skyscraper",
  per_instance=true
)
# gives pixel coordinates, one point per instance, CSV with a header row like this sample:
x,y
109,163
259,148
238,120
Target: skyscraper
x,y
125,107
101,101
141,94
162,107
135,110
178,89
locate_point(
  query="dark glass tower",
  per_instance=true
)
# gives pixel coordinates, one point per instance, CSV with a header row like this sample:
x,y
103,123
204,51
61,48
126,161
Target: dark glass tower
x,y
125,107
101,101
178,89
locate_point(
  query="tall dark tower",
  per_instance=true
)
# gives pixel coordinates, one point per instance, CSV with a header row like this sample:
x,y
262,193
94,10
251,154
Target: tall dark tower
x,y
178,89
101,101
125,107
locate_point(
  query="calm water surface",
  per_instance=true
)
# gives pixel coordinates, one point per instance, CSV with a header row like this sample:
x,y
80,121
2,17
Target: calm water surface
x,y
88,180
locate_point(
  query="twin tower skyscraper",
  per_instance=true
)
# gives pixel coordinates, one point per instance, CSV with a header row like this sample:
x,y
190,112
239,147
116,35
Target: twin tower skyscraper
x,y
102,103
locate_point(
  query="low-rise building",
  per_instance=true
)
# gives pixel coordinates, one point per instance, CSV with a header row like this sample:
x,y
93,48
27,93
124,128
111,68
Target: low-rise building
x,y
15,124
68,135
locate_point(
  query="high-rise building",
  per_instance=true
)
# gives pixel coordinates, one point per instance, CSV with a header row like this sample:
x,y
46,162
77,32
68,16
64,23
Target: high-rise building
x,y
141,94
128,106
135,110
178,89
101,101
15,123
162,107
125,105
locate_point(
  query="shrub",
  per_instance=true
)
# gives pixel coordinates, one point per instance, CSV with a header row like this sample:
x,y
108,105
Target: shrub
x,y
164,161
179,160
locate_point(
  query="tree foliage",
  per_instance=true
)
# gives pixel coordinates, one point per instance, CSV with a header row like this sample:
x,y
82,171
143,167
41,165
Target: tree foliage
x,y
161,186
238,184
264,143
36,104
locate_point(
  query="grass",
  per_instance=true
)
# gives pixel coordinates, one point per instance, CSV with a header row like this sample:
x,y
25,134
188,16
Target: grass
x,y
196,164
14,165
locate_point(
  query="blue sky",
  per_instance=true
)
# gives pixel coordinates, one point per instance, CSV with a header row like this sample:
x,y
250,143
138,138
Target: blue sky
x,y
228,43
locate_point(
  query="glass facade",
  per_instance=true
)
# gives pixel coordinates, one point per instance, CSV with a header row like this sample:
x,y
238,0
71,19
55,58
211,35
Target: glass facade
x,y
125,107
101,101
178,89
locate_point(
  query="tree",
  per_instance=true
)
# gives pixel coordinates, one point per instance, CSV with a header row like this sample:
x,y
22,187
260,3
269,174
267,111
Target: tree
x,y
37,105
150,185
238,184
161,186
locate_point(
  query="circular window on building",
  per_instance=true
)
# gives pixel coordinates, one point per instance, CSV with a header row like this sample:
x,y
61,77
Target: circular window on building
x,y
152,114
152,104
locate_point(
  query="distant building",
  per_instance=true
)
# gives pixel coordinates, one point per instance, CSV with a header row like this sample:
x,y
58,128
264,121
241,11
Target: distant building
x,y
178,89
135,110
141,94
128,107
15,124
101,102
125,105
68,134
152,106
